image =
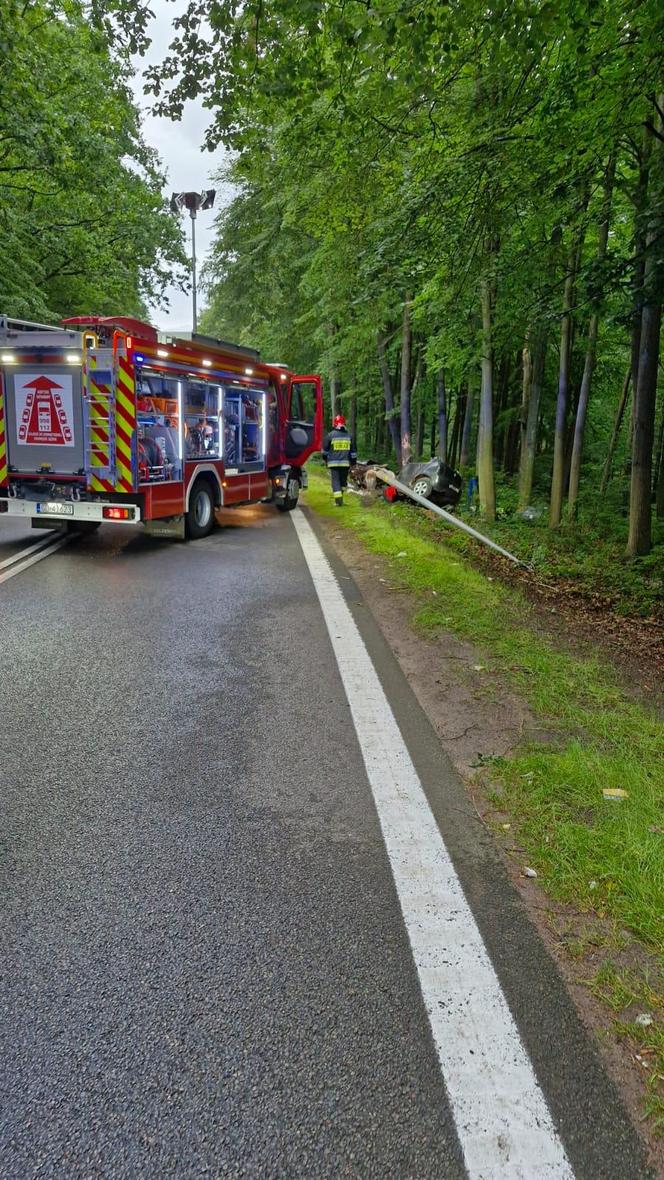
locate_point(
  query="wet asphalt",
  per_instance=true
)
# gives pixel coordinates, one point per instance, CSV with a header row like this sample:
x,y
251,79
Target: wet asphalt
x,y
203,967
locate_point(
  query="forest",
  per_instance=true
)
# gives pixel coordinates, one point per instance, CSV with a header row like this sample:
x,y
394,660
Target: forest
x,y
454,211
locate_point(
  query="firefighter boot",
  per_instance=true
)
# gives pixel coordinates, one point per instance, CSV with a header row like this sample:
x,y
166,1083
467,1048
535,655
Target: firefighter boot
x,y
338,500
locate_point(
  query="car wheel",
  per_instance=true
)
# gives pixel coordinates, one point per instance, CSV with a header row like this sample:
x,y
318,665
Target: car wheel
x,y
200,514
422,486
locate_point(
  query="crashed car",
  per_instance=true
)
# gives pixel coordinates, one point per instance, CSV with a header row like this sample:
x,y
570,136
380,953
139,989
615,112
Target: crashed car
x,y
434,479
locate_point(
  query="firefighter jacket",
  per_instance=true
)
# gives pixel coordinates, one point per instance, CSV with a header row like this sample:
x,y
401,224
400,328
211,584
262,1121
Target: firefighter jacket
x,y
338,448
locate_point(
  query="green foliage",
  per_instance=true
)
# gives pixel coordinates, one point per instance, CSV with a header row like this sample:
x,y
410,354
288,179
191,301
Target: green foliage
x,y
82,215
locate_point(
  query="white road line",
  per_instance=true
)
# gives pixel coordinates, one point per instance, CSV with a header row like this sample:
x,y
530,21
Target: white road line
x,y
19,568
45,540
502,1119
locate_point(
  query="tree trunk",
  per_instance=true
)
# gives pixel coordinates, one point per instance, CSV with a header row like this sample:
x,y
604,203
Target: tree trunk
x,y
529,437
353,417
388,393
591,350
469,407
639,538
334,394
645,394
459,417
624,394
640,199
558,476
526,393
485,431
432,440
441,394
659,472
406,346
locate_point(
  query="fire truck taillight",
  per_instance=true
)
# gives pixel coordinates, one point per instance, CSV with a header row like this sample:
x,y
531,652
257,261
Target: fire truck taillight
x,y
117,513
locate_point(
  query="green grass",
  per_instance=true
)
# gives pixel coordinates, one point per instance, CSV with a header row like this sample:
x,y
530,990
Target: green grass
x,y
600,855
603,858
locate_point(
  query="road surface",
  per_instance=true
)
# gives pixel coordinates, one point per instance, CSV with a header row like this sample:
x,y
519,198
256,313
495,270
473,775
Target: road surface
x,y
250,925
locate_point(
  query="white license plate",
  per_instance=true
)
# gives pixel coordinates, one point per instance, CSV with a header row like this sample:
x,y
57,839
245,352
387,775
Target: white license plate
x,y
55,509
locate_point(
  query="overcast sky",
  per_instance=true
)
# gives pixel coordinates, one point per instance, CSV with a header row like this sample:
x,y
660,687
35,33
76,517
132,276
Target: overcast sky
x,y
186,166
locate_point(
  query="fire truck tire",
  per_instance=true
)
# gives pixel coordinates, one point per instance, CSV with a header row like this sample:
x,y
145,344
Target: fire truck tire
x,y
290,500
200,514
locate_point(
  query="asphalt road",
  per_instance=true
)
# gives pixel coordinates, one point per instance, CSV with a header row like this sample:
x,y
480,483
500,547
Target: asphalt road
x,y
204,965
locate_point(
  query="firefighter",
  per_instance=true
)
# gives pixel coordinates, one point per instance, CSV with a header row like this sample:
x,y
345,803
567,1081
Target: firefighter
x,y
339,453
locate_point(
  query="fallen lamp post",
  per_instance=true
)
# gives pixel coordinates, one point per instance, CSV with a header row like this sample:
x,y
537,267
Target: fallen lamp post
x,y
390,478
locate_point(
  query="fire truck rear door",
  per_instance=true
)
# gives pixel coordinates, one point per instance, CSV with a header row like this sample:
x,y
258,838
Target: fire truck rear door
x,y
44,418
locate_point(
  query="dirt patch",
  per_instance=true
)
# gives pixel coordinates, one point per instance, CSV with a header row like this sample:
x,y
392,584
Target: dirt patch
x,y
476,716
590,623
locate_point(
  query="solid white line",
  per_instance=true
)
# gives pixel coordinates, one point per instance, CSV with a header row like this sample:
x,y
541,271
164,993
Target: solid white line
x,y
502,1119
19,569
45,540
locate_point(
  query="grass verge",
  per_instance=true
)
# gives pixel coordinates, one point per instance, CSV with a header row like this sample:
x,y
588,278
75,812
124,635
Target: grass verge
x,y
602,857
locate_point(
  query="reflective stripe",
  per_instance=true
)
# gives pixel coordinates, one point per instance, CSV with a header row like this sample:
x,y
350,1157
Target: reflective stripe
x,y
3,440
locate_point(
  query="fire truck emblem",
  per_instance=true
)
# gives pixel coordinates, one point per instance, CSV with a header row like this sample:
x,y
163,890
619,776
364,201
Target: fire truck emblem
x,y
44,411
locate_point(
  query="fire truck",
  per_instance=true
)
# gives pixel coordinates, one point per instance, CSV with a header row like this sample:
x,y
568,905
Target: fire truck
x,y
104,419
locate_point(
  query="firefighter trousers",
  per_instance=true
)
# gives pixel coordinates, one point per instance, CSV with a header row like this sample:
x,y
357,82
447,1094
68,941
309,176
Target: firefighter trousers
x,y
339,477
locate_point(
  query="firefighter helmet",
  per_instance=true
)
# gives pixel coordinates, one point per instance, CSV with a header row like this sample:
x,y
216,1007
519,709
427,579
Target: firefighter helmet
x,y
339,421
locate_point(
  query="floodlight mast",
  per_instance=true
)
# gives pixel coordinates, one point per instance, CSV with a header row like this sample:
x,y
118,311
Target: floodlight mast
x,y
193,202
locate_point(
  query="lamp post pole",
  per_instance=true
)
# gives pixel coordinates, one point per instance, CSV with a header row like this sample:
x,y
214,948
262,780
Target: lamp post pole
x,y
193,202
193,265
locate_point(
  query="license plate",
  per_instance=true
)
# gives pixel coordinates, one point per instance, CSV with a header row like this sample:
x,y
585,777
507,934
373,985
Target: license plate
x,y
55,509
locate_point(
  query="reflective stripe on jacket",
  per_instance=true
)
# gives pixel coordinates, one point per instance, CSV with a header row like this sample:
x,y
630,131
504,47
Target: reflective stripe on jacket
x,y
338,448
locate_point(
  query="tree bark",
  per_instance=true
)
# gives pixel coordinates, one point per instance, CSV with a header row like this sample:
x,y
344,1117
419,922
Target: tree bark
x,y
558,475
608,462
441,394
591,350
640,200
639,537
406,347
526,394
334,394
485,473
388,393
645,394
659,472
459,417
353,417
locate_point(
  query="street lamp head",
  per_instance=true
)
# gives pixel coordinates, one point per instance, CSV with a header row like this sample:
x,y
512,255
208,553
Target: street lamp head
x,y
192,202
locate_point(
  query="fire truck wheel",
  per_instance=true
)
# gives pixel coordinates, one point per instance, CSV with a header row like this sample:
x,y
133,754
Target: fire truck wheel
x,y
289,501
200,515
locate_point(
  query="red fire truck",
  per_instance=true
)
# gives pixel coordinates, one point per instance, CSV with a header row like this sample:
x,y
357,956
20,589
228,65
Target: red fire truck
x,y
104,419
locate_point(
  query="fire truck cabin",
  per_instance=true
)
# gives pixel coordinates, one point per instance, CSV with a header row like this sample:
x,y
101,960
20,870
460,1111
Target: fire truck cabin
x,y
104,420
